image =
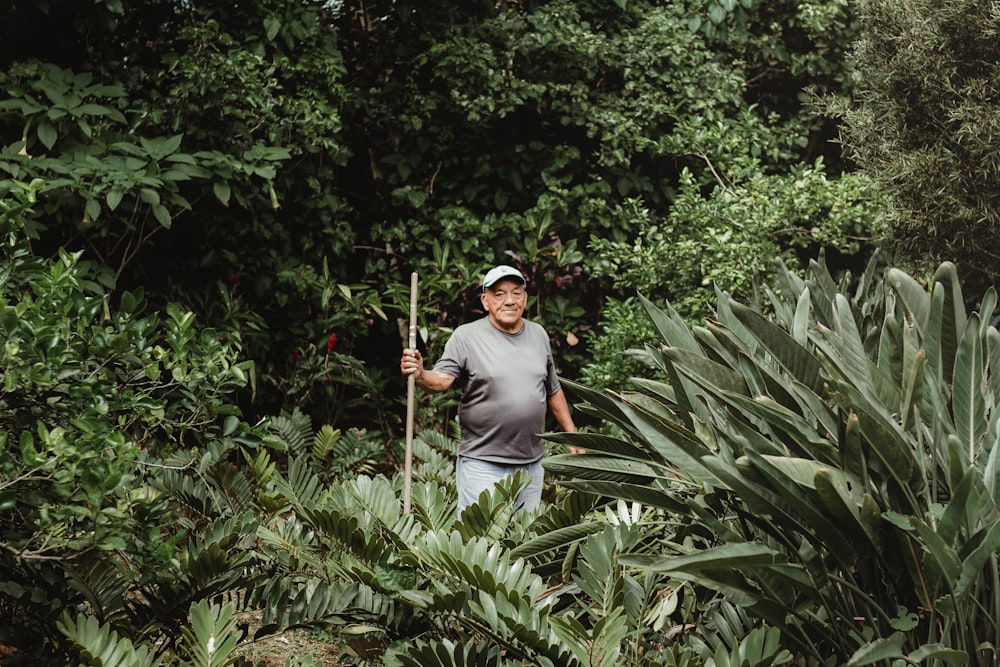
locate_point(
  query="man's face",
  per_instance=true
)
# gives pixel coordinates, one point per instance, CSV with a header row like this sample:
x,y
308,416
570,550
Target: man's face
x,y
505,302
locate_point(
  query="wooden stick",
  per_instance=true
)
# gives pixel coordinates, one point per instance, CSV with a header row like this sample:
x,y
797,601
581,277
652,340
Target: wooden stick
x,y
411,390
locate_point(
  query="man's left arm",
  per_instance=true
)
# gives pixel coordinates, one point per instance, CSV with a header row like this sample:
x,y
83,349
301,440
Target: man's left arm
x,y
560,410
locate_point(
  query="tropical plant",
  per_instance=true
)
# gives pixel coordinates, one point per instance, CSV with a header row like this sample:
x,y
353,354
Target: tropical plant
x,y
122,499
836,462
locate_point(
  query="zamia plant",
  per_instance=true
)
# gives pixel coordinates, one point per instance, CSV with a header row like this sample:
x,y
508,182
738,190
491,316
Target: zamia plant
x,y
494,586
836,459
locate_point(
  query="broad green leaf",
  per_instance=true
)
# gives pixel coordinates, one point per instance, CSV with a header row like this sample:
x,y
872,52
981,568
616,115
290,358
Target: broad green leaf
x,y
991,472
885,438
849,340
645,494
912,397
556,539
834,489
598,443
671,327
822,289
793,357
941,553
931,653
931,336
802,436
962,510
914,296
953,314
969,404
993,359
789,479
47,134
162,215
803,314
972,567
671,441
706,372
113,198
745,555
884,648
587,466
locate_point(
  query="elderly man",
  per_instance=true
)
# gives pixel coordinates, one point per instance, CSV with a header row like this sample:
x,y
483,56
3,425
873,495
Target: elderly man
x,y
503,365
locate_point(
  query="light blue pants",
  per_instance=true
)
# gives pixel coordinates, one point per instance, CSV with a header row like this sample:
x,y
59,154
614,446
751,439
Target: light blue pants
x,y
473,476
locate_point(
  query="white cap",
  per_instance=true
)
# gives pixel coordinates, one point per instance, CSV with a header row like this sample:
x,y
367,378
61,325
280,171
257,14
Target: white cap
x,y
503,271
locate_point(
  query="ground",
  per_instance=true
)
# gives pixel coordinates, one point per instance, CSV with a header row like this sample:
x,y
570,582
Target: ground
x,y
301,645
305,646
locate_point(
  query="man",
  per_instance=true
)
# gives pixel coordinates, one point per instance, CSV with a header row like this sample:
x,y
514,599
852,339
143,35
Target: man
x,y
503,365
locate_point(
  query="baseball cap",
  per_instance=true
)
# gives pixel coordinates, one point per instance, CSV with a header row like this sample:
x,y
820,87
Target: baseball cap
x,y
502,271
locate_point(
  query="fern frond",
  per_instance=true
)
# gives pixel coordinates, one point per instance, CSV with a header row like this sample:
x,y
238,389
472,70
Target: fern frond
x,y
288,602
103,583
233,485
212,636
445,653
295,430
100,646
324,442
302,485
496,514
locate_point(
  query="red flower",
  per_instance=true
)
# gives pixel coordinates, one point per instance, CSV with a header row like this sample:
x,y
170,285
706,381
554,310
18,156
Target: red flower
x,y
234,279
330,343
295,357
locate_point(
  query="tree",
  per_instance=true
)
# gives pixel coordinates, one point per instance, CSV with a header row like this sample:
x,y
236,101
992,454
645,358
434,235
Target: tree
x,y
922,121
191,149
104,408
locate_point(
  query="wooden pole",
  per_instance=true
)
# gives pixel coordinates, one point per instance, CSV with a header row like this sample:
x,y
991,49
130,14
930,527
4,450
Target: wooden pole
x,y
411,390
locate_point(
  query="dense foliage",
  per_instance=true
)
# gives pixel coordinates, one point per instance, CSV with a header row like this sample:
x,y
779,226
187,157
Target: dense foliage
x,y
280,169
922,122
209,211
832,468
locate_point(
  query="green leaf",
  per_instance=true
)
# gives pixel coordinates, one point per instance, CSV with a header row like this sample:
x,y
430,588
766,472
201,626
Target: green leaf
x,y
30,455
968,402
793,357
272,25
47,134
93,209
972,567
114,198
222,192
556,539
880,649
744,555
953,314
931,653
915,297
162,215
586,466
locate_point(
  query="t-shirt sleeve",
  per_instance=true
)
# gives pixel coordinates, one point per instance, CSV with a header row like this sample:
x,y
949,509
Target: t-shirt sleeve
x,y
452,360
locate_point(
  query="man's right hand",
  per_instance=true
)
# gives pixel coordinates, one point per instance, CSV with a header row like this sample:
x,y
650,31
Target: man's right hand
x,y
411,363
430,380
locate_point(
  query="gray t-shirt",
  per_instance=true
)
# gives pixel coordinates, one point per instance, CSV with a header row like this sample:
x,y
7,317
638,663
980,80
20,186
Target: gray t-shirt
x,y
505,380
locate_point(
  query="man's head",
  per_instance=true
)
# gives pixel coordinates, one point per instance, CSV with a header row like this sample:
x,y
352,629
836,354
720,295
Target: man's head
x,y
504,297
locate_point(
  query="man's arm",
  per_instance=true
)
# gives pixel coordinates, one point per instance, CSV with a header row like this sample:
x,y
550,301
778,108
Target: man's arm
x,y
431,381
560,410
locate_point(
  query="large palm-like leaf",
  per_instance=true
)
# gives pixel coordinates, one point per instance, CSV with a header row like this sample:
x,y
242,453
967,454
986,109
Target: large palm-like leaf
x,y
100,646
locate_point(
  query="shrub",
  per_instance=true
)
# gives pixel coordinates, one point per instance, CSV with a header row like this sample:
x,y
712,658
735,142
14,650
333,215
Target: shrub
x,y
836,462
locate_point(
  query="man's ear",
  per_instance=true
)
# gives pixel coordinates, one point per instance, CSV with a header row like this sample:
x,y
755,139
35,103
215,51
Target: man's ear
x,y
482,299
